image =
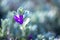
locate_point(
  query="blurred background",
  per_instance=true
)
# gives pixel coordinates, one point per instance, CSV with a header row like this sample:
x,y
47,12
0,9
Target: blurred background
x,y
44,15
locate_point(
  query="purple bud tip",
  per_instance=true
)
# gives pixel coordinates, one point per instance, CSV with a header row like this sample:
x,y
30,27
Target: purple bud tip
x,y
19,18
30,36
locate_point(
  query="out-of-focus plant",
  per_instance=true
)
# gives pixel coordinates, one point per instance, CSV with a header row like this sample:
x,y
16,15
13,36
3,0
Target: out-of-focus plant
x,y
12,28
33,23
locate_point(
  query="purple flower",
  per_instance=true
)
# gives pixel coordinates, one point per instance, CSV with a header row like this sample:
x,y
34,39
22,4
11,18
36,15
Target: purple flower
x,y
30,36
19,18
